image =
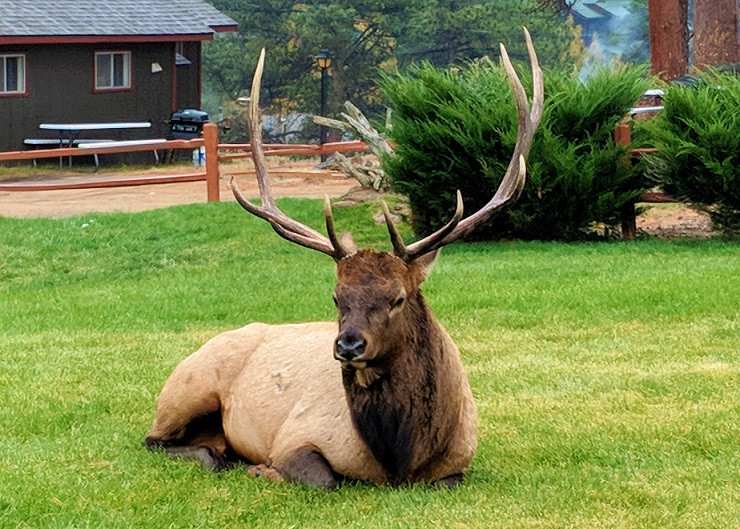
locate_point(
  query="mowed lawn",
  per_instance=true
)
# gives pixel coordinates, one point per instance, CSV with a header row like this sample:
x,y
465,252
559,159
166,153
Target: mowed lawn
x,y
606,375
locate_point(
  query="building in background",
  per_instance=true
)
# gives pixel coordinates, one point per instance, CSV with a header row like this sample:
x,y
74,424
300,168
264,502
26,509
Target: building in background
x,y
614,28
67,61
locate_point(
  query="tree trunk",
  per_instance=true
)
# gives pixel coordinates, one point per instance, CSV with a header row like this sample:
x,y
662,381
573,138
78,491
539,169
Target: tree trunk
x,y
669,38
716,32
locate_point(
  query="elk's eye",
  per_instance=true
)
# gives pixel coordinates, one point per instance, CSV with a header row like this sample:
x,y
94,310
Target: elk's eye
x,y
398,302
334,299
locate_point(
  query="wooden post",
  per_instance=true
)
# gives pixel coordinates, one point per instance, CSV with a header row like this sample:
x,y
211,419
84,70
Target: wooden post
x,y
210,136
627,217
669,38
628,221
716,32
622,134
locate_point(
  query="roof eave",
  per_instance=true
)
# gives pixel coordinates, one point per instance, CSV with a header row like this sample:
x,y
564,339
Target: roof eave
x,y
95,39
225,28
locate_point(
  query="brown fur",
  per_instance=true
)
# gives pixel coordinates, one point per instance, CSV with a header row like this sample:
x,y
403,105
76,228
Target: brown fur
x,y
404,413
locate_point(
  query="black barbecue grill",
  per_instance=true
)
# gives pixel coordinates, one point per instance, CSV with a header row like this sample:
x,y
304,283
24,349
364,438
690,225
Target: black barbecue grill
x,y
186,124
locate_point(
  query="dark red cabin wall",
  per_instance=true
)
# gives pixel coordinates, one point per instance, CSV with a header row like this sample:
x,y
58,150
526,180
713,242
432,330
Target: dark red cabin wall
x,y
189,78
61,89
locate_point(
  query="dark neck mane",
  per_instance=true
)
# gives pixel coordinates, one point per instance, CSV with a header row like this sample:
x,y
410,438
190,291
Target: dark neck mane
x,y
403,415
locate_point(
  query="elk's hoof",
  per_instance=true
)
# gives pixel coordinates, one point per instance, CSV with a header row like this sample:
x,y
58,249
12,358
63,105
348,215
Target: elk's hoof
x,y
265,472
450,482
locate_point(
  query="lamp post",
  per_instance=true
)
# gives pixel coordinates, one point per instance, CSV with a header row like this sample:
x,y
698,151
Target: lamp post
x,y
323,61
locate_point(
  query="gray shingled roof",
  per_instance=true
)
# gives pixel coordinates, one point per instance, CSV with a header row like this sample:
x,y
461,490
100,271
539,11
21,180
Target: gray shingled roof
x,y
31,18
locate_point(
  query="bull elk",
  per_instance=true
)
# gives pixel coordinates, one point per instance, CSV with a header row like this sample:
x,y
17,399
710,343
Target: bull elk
x,y
381,395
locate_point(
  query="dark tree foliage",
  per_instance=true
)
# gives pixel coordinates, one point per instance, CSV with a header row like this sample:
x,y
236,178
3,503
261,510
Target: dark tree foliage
x,y
366,38
562,7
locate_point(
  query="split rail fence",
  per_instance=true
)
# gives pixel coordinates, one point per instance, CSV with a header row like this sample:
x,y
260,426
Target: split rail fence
x,y
209,174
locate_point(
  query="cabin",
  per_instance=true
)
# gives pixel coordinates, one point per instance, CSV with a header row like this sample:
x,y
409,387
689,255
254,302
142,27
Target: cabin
x,y
600,17
619,26
67,61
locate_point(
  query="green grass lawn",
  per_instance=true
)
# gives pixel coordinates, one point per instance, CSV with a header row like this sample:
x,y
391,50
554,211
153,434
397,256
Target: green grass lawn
x,y
606,375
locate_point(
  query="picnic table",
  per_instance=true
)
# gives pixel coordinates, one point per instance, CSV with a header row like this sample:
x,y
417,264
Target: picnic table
x,y
70,132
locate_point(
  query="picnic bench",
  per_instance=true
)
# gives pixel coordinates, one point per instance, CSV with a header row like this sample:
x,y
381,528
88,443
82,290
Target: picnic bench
x,y
41,142
47,142
122,143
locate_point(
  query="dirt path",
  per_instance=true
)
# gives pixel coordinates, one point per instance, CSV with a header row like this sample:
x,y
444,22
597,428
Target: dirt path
x,y
23,204
288,179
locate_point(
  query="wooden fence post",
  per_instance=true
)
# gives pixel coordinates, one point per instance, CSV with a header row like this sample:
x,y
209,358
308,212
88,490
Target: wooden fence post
x,y
210,136
627,217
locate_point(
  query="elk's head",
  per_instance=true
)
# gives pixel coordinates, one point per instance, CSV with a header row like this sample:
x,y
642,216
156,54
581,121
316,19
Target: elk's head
x,y
378,301
377,293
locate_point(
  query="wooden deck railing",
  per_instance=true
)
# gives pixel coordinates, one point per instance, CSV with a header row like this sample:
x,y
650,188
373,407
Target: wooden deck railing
x,y
628,216
209,174
291,149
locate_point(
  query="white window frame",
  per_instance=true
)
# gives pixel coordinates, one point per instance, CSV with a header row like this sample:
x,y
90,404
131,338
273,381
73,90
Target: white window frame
x,y
21,72
110,81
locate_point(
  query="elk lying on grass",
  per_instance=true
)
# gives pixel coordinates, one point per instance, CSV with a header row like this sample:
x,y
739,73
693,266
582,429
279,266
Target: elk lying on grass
x,y
396,408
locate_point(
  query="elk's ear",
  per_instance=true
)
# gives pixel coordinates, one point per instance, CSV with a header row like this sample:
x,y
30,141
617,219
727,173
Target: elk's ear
x,y
422,265
348,243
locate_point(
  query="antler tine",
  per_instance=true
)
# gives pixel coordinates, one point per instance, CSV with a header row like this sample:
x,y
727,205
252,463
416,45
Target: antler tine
x,y
537,83
275,218
428,243
513,182
329,218
255,134
399,248
284,226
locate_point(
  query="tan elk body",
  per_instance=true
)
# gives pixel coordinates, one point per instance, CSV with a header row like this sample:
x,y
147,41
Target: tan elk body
x,y
395,408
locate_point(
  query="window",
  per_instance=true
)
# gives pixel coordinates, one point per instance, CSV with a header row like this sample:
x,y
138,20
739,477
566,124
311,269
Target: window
x,y
113,70
12,74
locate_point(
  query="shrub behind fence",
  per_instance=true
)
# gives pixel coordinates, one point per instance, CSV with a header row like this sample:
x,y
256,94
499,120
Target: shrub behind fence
x,y
697,136
457,130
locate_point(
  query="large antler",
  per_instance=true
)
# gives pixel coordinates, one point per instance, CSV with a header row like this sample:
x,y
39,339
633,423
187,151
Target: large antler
x,y
285,226
513,182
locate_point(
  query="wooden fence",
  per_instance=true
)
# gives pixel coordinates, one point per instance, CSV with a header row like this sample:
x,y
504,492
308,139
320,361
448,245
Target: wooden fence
x,y
209,173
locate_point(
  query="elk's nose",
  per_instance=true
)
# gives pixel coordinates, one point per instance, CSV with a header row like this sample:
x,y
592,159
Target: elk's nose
x,y
349,346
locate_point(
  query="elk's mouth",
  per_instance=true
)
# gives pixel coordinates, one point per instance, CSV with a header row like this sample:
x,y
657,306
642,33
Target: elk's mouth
x,y
358,365
355,362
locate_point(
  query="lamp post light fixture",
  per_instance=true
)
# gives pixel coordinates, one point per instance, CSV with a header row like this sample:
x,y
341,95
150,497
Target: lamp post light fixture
x,y
323,60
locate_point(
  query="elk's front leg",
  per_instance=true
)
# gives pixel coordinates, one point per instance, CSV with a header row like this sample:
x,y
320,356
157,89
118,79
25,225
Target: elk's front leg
x,y
208,458
307,466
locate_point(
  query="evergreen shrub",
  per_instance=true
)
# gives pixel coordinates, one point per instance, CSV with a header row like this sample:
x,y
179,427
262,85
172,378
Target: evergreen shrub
x,y
698,139
456,129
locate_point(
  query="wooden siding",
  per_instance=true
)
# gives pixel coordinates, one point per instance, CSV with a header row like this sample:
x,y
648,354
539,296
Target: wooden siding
x,y
189,78
61,90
